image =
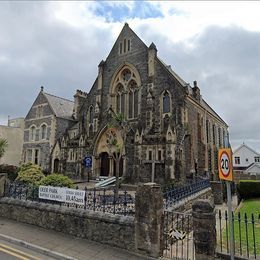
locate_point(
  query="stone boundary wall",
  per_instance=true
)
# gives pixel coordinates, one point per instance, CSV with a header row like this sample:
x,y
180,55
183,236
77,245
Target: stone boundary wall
x,y
186,204
114,230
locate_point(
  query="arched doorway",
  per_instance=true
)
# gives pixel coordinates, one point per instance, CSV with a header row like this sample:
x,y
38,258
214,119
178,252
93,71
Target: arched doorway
x,y
56,165
104,164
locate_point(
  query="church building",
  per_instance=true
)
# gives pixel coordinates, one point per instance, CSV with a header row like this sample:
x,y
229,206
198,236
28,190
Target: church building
x,y
173,134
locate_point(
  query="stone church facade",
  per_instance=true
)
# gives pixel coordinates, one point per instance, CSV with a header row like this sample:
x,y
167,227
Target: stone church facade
x,y
173,134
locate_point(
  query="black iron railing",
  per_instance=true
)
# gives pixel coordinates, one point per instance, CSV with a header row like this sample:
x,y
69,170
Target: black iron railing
x,y
178,236
174,195
103,200
246,238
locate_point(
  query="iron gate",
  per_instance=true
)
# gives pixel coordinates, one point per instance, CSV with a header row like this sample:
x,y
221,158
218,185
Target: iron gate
x,y
178,236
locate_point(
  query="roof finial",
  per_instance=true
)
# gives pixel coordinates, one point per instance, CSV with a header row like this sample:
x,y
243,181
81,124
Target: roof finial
x,y
42,88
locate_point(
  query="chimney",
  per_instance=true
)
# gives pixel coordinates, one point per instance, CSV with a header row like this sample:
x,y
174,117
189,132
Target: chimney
x,y
196,91
79,99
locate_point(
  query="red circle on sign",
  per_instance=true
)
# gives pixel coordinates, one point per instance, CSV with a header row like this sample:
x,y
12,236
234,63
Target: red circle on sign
x,y
225,155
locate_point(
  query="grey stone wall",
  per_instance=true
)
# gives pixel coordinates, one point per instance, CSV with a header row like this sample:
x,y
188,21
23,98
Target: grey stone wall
x,y
217,189
114,230
204,229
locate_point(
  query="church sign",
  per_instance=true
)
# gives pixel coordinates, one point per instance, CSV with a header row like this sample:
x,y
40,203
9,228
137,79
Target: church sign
x,y
62,194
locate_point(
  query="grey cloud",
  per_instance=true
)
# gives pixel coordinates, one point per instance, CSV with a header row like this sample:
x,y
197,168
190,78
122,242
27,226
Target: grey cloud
x,y
37,49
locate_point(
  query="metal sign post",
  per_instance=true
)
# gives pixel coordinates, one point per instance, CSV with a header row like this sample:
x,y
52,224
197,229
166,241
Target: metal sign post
x,y
226,173
231,231
88,164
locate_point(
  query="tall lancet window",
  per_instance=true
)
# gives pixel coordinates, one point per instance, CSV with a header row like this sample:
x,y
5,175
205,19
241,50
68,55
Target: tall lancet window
x,y
91,115
132,99
120,99
166,102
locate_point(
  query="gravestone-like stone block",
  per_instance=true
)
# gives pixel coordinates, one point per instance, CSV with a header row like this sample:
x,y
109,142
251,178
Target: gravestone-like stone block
x,y
149,219
204,229
217,190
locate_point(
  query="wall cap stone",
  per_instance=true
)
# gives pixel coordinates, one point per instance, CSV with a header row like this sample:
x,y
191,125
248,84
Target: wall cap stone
x,y
204,206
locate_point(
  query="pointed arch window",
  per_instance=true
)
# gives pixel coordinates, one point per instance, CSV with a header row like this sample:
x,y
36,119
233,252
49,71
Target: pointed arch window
x,y
125,92
91,115
166,102
132,99
120,99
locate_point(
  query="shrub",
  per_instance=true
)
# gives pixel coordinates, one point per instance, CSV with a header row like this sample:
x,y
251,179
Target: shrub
x,y
29,174
57,180
249,189
11,171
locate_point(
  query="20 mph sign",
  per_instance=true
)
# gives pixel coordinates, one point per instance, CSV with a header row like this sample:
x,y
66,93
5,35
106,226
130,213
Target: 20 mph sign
x,y
225,169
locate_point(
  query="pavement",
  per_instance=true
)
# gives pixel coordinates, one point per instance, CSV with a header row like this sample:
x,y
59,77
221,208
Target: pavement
x,y
57,245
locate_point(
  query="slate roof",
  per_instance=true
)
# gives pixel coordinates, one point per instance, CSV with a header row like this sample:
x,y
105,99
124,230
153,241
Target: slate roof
x,y
63,108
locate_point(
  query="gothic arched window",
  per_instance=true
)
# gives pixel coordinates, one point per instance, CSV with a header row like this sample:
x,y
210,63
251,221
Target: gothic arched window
x,y
132,99
120,99
166,102
91,115
125,92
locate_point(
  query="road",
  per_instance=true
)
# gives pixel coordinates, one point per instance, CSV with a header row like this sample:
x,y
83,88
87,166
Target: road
x,y
9,251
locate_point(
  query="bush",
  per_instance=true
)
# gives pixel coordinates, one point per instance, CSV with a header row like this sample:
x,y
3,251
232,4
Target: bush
x,y
29,174
249,189
11,171
57,180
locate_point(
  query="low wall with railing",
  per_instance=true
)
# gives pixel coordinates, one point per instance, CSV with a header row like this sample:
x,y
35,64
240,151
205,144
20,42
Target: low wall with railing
x,y
115,230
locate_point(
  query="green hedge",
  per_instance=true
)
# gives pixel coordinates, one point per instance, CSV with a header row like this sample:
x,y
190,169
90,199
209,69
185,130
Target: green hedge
x,y
249,189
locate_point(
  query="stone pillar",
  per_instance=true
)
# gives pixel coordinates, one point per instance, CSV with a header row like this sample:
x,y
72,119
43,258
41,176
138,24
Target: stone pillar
x,y
149,219
217,190
204,229
3,179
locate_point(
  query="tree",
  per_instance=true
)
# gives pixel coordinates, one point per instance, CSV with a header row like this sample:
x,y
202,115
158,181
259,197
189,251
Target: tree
x,y
3,146
57,180
30,173
117,128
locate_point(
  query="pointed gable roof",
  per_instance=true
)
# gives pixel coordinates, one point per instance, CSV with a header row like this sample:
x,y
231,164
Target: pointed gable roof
x,y
62,108
246,147
125,33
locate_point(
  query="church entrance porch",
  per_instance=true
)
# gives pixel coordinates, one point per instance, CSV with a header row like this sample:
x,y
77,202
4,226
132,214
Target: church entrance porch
x,y
104,164
108,165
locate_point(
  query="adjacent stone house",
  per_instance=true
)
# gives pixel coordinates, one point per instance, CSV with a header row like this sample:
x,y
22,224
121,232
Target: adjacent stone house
x,y
173,134
45,123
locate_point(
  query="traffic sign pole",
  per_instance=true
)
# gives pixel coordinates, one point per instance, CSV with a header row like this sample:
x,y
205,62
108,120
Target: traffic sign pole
x,y
231,231
227,175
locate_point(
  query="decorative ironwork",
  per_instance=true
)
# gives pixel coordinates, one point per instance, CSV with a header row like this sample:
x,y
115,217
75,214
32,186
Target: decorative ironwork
x,y
103,200
174,195
178,236
245,237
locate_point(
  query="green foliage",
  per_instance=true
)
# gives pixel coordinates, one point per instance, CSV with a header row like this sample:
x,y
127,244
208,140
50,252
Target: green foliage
x,y
57,180
3,146
29,174
249,189
11,171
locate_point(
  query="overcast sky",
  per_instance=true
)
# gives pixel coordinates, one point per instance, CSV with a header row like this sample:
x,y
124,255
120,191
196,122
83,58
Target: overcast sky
x,y
60,44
